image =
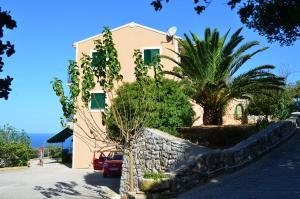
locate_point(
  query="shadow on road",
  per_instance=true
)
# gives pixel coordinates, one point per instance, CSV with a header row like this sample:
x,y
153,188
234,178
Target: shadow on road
x,y
58,189
63,189
96,179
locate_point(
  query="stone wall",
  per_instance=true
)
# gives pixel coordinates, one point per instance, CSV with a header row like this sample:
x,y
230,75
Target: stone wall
x,y
156,151
206,165
192,164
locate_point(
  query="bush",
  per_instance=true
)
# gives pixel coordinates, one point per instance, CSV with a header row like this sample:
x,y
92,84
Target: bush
x,y
15,148
278,104
262,124
54,151
152,175
34,153
168,107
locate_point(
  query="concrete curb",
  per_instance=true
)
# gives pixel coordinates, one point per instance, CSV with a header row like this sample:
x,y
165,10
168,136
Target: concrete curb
x,y
13,168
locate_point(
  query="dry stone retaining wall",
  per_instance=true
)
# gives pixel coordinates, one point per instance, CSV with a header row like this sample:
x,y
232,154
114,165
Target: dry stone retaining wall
x,y
191,164
156,151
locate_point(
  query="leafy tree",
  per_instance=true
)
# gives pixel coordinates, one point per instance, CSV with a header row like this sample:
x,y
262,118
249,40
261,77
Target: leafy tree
x,y
278,104
277,20
209,68
15,149
7,48
103,68
297,88
262,104
168,111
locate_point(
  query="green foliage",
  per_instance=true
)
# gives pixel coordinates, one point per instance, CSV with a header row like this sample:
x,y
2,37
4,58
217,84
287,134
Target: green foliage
x,y
15,149
7,48
209,69
297,89
105,67
54,151
68,103
88,81
141,70
278,104
105,64
34,153
262,124
277,20
168,111
155,176
218,136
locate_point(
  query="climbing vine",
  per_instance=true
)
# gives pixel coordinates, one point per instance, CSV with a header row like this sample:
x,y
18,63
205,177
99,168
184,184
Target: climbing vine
x,y
103,68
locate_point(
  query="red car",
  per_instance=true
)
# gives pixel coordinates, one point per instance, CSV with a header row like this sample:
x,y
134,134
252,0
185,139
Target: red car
x,y
113,164
98,162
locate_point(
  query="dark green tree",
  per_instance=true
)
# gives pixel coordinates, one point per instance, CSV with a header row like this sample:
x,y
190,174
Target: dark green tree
x,y
277,20
209,68
277,104
168,111
7,48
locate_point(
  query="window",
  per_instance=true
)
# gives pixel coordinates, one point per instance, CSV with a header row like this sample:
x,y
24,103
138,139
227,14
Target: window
x,y
150,55
97,101
96,58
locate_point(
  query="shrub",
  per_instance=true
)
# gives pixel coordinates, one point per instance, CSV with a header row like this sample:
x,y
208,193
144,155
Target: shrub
x,y
168,107
54,151
218,136
262,123
15,149
278,104
152,175
34,153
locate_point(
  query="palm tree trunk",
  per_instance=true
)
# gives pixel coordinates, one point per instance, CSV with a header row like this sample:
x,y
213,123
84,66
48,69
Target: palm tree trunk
x,y
212,116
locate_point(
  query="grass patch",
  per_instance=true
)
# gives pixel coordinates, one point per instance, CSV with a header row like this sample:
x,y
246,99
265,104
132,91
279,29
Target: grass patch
x,y
155,176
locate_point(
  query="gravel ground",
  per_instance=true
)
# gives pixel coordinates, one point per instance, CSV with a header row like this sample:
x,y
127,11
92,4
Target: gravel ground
x,y
54,180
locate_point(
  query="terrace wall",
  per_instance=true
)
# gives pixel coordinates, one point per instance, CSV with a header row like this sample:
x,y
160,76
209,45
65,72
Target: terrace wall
x,y
191,164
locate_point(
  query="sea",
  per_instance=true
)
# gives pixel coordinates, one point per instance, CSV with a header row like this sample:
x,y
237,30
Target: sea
x,y
40,139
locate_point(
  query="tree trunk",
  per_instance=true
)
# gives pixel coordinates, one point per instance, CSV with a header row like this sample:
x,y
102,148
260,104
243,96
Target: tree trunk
x,y
212,116
245,116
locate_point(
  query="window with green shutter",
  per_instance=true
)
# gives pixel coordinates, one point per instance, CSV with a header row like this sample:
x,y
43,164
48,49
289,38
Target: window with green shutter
x,y
96,58
150,55
97,101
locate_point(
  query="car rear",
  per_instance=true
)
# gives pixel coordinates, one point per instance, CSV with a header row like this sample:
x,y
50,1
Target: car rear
x,y
113,165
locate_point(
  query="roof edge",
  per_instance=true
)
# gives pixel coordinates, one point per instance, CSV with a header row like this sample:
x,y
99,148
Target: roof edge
x,y
131,24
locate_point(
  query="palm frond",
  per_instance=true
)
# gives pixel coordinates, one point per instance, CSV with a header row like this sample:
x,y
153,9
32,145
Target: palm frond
x,y
210,65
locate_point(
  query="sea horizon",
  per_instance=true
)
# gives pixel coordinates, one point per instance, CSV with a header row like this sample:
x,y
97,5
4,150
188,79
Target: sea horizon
x,y
40,139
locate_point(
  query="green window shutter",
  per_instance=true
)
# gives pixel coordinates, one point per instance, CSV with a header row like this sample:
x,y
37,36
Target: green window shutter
x,y
150,55
97,59
97,101
147,56
154,53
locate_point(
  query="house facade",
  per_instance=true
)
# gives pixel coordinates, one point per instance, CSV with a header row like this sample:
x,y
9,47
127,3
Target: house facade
x,y
127,38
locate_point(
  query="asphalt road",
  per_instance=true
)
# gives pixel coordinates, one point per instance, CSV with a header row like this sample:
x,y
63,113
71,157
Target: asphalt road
x,y
275,175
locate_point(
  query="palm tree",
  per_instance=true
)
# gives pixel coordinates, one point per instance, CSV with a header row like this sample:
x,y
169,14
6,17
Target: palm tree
x,y
210,68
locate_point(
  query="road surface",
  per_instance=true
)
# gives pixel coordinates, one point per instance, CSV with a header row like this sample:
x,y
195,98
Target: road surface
x,y
275,175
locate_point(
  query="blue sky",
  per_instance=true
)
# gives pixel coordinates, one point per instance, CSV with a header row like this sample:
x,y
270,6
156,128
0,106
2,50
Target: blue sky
x,y
47,29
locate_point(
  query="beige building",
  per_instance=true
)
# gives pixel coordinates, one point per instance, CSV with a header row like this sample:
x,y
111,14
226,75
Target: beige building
x,y
127,38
